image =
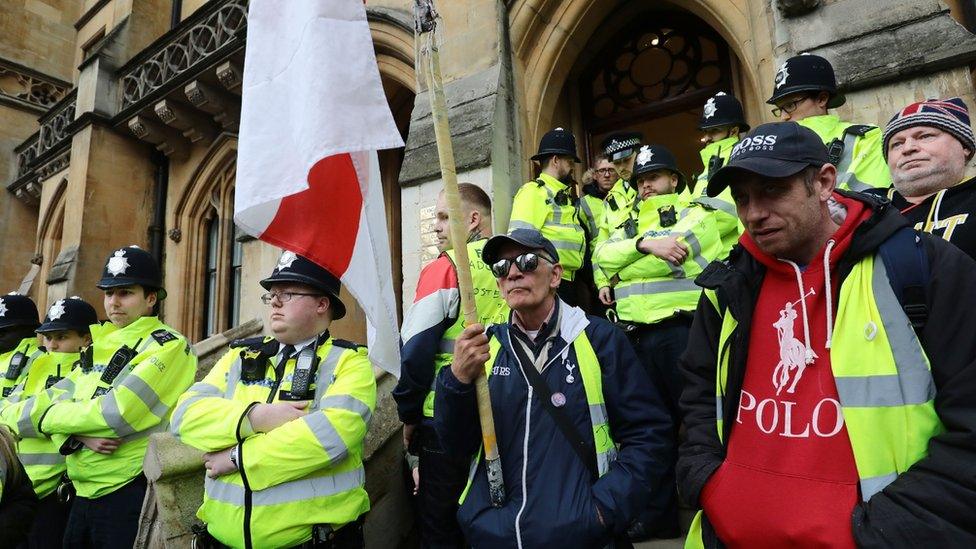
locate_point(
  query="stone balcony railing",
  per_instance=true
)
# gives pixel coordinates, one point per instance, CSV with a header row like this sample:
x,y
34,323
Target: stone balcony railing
x,y
46,152
217,29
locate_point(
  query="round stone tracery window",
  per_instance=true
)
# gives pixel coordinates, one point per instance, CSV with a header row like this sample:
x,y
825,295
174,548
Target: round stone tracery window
x,y
660,63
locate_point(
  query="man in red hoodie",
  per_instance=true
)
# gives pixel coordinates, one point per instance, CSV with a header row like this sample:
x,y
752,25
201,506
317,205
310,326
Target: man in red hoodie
x,y
816,415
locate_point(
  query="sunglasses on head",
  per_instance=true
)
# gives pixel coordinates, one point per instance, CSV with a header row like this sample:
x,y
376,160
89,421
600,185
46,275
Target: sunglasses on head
x,y
525,263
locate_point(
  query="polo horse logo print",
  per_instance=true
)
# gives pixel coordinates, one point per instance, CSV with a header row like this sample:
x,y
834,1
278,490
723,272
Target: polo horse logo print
x,y
792,351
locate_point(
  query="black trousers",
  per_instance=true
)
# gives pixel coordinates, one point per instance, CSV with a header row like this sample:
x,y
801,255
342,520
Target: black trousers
x,y
47,530
108,522
442,479
659,347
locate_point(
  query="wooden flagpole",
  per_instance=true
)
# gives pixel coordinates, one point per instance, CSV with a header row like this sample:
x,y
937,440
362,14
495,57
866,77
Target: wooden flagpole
x,y
427,27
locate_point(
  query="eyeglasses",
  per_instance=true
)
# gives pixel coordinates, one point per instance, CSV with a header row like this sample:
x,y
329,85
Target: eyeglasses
x,y
283,297
525,263
790,107
607,171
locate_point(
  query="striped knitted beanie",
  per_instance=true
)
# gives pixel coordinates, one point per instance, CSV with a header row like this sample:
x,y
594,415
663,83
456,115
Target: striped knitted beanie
x,y
949,115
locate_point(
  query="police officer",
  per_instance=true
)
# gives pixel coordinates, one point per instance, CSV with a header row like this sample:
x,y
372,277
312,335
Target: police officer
x,y
803,91
282,420
18,342
591,214
549,205
656,254
103,412
621,148
430,327
65,332
721,124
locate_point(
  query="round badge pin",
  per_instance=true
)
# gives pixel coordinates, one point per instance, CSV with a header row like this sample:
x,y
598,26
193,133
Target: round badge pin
x,y
558,400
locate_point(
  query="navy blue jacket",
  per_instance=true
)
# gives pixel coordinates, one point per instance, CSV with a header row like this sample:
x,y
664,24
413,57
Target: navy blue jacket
x,y
552,498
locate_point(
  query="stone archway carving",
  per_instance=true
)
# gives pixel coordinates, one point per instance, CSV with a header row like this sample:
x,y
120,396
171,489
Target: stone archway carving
x,y
548,36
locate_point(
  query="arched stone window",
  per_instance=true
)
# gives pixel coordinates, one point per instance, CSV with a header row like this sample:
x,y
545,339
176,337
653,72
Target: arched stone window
x,y
208,251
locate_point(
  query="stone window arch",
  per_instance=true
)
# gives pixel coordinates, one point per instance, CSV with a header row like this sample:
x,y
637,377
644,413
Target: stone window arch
x,y
48,246
207,248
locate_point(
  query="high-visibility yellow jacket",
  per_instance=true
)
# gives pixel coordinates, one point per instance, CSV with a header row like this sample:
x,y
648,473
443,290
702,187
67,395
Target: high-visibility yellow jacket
x,y
652,289
862,166
136,403
591,214
616,210
726,219
306,472
41,457
15,363
547,206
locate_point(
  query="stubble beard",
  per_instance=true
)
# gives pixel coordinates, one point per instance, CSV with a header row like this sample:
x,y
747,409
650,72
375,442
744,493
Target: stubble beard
x,y
923,182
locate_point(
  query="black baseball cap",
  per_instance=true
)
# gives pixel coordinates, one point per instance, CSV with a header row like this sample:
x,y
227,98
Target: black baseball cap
x,y
777,149
530,238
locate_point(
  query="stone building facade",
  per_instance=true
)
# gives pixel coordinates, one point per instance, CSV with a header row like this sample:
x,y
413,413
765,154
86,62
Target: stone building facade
x,y
119,118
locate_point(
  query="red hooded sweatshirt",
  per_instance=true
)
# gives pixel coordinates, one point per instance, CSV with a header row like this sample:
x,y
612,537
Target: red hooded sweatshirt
x,y
789,477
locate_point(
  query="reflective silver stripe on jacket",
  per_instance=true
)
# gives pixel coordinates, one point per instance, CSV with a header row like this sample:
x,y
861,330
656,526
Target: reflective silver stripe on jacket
x,y
233,378
598,417
717,204
288,492
588,216
198,391
658,287
41,459
913,383
845,175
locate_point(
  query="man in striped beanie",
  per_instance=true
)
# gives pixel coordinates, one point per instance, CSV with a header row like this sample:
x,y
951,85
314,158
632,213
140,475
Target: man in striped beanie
x,y
928,145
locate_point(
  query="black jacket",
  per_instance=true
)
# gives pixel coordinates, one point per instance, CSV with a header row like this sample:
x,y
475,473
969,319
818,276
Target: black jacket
x,y
930,505
945,213
17,506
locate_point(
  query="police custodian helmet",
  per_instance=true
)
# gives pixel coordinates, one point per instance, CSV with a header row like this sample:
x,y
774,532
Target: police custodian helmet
x,y
557,141
17,310
722,110
806,73
132,265
292,267
657,157
72,313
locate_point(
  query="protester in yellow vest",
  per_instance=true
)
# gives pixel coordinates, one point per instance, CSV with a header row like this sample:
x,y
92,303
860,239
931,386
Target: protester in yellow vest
x,y
656,255
621,149
549,205
18,342
103,412
828,387
282,421
721,123
803,91
64,332
577,481
429,330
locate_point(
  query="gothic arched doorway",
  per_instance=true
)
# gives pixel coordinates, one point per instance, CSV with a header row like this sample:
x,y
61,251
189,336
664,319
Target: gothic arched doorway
x,y
654,76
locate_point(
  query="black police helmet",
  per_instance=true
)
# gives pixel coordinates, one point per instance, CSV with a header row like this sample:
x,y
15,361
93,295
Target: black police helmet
x,y
722,110
17,310
132,266
621,144
806,73
558,141
72,313
292,267
657,157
